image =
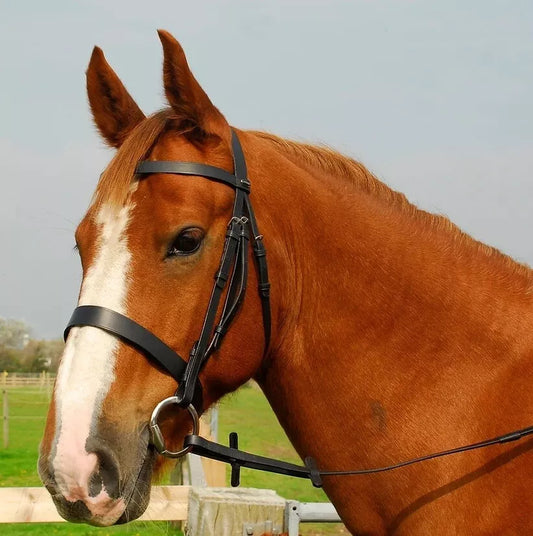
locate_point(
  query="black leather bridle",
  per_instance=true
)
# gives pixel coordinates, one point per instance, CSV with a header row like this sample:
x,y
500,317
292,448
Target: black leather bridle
x,y
233,267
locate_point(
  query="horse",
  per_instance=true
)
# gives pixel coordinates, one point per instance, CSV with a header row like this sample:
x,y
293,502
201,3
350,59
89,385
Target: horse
x,y
393,333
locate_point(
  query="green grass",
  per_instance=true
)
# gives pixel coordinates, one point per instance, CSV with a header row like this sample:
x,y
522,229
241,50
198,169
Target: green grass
x,y
246,412
18,468
18,463
137,528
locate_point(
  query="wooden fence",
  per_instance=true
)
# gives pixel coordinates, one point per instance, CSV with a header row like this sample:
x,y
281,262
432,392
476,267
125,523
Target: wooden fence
x,y
43,380
201,500
206,511
5,417
34,505
167,503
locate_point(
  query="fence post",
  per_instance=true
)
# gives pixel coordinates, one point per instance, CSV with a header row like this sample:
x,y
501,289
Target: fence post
x,y
49,386
4,377
234,512
6,418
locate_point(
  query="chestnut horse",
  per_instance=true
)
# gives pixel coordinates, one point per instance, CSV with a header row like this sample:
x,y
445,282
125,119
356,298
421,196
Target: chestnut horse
x,y
394,334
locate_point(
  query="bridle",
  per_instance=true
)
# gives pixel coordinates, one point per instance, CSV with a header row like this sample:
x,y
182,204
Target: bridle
x,y
232,273
242,228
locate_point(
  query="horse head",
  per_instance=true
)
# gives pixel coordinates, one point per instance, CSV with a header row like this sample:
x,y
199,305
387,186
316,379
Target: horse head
x,y
149,247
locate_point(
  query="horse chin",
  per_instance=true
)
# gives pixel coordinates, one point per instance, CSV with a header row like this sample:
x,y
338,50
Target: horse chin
x,y
152,468
139,494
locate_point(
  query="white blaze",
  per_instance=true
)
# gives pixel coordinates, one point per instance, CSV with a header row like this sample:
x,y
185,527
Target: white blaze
x,y
87,366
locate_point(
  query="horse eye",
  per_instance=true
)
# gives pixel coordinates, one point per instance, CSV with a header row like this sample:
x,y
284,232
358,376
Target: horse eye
x,y
186,243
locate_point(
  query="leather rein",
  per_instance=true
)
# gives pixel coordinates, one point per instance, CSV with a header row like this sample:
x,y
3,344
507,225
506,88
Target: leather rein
x,y
233,269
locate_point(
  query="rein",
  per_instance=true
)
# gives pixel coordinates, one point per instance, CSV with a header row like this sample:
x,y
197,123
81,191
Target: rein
x,y
242,228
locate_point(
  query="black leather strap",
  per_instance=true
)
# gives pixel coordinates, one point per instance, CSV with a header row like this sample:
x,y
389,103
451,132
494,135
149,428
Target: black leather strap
x,y
241,171
199,352
147,167
133,333
239,162
230,265
262,273
239,458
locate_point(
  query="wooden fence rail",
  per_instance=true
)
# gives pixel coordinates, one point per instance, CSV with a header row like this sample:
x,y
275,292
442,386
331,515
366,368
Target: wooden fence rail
x,y
207,508
5,418
207,511
44,380
35,505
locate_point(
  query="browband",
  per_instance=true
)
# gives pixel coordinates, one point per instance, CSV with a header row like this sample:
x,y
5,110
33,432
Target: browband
x,y
147,167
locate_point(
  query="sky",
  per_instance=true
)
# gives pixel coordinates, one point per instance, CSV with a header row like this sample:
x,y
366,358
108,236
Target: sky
x,y
435,97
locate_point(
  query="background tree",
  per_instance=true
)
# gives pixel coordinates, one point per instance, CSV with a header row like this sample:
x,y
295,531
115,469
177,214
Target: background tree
x,y
9,360
20,353
14,334
39,355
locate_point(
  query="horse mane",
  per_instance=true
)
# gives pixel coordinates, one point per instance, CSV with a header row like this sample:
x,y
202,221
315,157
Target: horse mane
x,y
334,163
343,167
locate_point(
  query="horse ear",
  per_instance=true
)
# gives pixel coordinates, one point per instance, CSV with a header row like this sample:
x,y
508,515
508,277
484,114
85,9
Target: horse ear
x,y
184,93
114,111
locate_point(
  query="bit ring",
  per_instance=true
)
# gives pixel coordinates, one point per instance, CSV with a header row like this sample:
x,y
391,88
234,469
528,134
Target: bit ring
x,y
157,436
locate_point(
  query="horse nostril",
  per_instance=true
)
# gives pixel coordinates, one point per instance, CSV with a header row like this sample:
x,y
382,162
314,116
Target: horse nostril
x,y
107,473
95,484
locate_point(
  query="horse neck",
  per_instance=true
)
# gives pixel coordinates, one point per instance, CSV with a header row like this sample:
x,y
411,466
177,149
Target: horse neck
x,y
373,298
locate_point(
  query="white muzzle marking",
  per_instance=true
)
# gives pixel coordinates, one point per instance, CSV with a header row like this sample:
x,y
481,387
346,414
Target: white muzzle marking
x,y
87,366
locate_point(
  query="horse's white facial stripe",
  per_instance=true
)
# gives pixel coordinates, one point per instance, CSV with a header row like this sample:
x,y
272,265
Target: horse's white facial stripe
x,y
87,367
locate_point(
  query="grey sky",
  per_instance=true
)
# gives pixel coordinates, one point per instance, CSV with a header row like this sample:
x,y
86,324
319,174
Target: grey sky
x,y
434,97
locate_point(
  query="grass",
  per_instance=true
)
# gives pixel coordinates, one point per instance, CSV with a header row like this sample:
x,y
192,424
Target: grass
x,y
18,468
246,412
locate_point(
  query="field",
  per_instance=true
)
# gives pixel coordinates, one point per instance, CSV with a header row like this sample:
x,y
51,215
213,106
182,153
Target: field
x,y
245,411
